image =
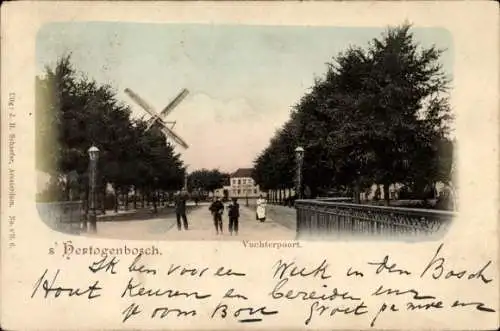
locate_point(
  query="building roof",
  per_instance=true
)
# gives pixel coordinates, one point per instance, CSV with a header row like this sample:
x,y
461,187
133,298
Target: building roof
x,y
242,172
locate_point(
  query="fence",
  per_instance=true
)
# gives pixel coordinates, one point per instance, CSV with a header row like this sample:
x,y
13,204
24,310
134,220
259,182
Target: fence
x,y
320,218
64,216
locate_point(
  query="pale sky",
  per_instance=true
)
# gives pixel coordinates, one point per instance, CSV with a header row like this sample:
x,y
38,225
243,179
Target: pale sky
x,y
243,80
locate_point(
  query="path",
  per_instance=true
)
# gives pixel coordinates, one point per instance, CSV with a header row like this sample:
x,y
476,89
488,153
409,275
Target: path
x,y
200,228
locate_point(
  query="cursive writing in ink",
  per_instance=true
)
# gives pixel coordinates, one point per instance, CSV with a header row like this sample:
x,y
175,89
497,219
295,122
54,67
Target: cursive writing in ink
x,y
479,306
135,289
104,264
384,265
381,290
186,271
222,310
351,272
437,264
278,293
91,291
130,311
136,267
392,308
426,306
290,269
230,295
229,272
317,307
165,311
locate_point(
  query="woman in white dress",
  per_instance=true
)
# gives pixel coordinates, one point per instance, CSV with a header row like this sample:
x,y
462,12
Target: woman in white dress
x,y
261,209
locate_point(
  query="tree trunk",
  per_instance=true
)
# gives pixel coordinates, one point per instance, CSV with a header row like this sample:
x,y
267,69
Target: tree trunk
x,y
154,203
356,193
103,200
387,197
117,192
67,190
125,199
314,192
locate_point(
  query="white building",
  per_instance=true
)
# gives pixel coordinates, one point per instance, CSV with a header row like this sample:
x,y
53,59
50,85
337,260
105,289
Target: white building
x,y
241,185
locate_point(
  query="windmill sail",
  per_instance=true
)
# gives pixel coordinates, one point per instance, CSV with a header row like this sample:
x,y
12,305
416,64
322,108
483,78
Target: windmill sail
x,y
141,102
174,103
169,133
168,109
157,118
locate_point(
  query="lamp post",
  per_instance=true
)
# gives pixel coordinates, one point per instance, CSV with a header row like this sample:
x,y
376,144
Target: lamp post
x,y
299,154
94,157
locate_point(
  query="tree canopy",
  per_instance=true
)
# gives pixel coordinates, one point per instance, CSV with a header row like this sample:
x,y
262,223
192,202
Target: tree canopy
x,y
205,180
74,112
379,115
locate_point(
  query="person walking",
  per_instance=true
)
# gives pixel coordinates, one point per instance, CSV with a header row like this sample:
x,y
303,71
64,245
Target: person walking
x,y
234,215
260,213
217,209
180,211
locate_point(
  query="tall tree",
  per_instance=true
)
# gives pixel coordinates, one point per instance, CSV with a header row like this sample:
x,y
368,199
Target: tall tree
x,y
75,112
409,92
378,115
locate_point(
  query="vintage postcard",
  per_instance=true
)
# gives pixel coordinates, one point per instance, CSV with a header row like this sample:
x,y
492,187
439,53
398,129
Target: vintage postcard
x,y
249,165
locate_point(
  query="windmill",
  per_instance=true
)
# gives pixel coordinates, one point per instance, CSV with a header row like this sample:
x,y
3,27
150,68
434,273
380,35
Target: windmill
x,y
159,118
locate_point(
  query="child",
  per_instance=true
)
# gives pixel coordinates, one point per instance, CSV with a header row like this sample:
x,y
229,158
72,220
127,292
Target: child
x,y
234,214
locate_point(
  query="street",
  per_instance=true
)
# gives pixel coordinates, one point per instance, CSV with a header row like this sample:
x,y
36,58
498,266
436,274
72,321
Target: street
x,y
201,227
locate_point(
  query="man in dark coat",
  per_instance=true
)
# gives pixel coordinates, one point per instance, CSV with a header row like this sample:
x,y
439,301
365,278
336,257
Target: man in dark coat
x,y
180,211
234,215
217,209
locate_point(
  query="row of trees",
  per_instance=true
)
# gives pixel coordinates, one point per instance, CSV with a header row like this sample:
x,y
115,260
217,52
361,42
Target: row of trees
x,y
74,112
202,182
380,115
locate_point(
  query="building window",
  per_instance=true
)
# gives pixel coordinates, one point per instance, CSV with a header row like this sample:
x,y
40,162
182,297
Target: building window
x,y
239,192
239,181
255,191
